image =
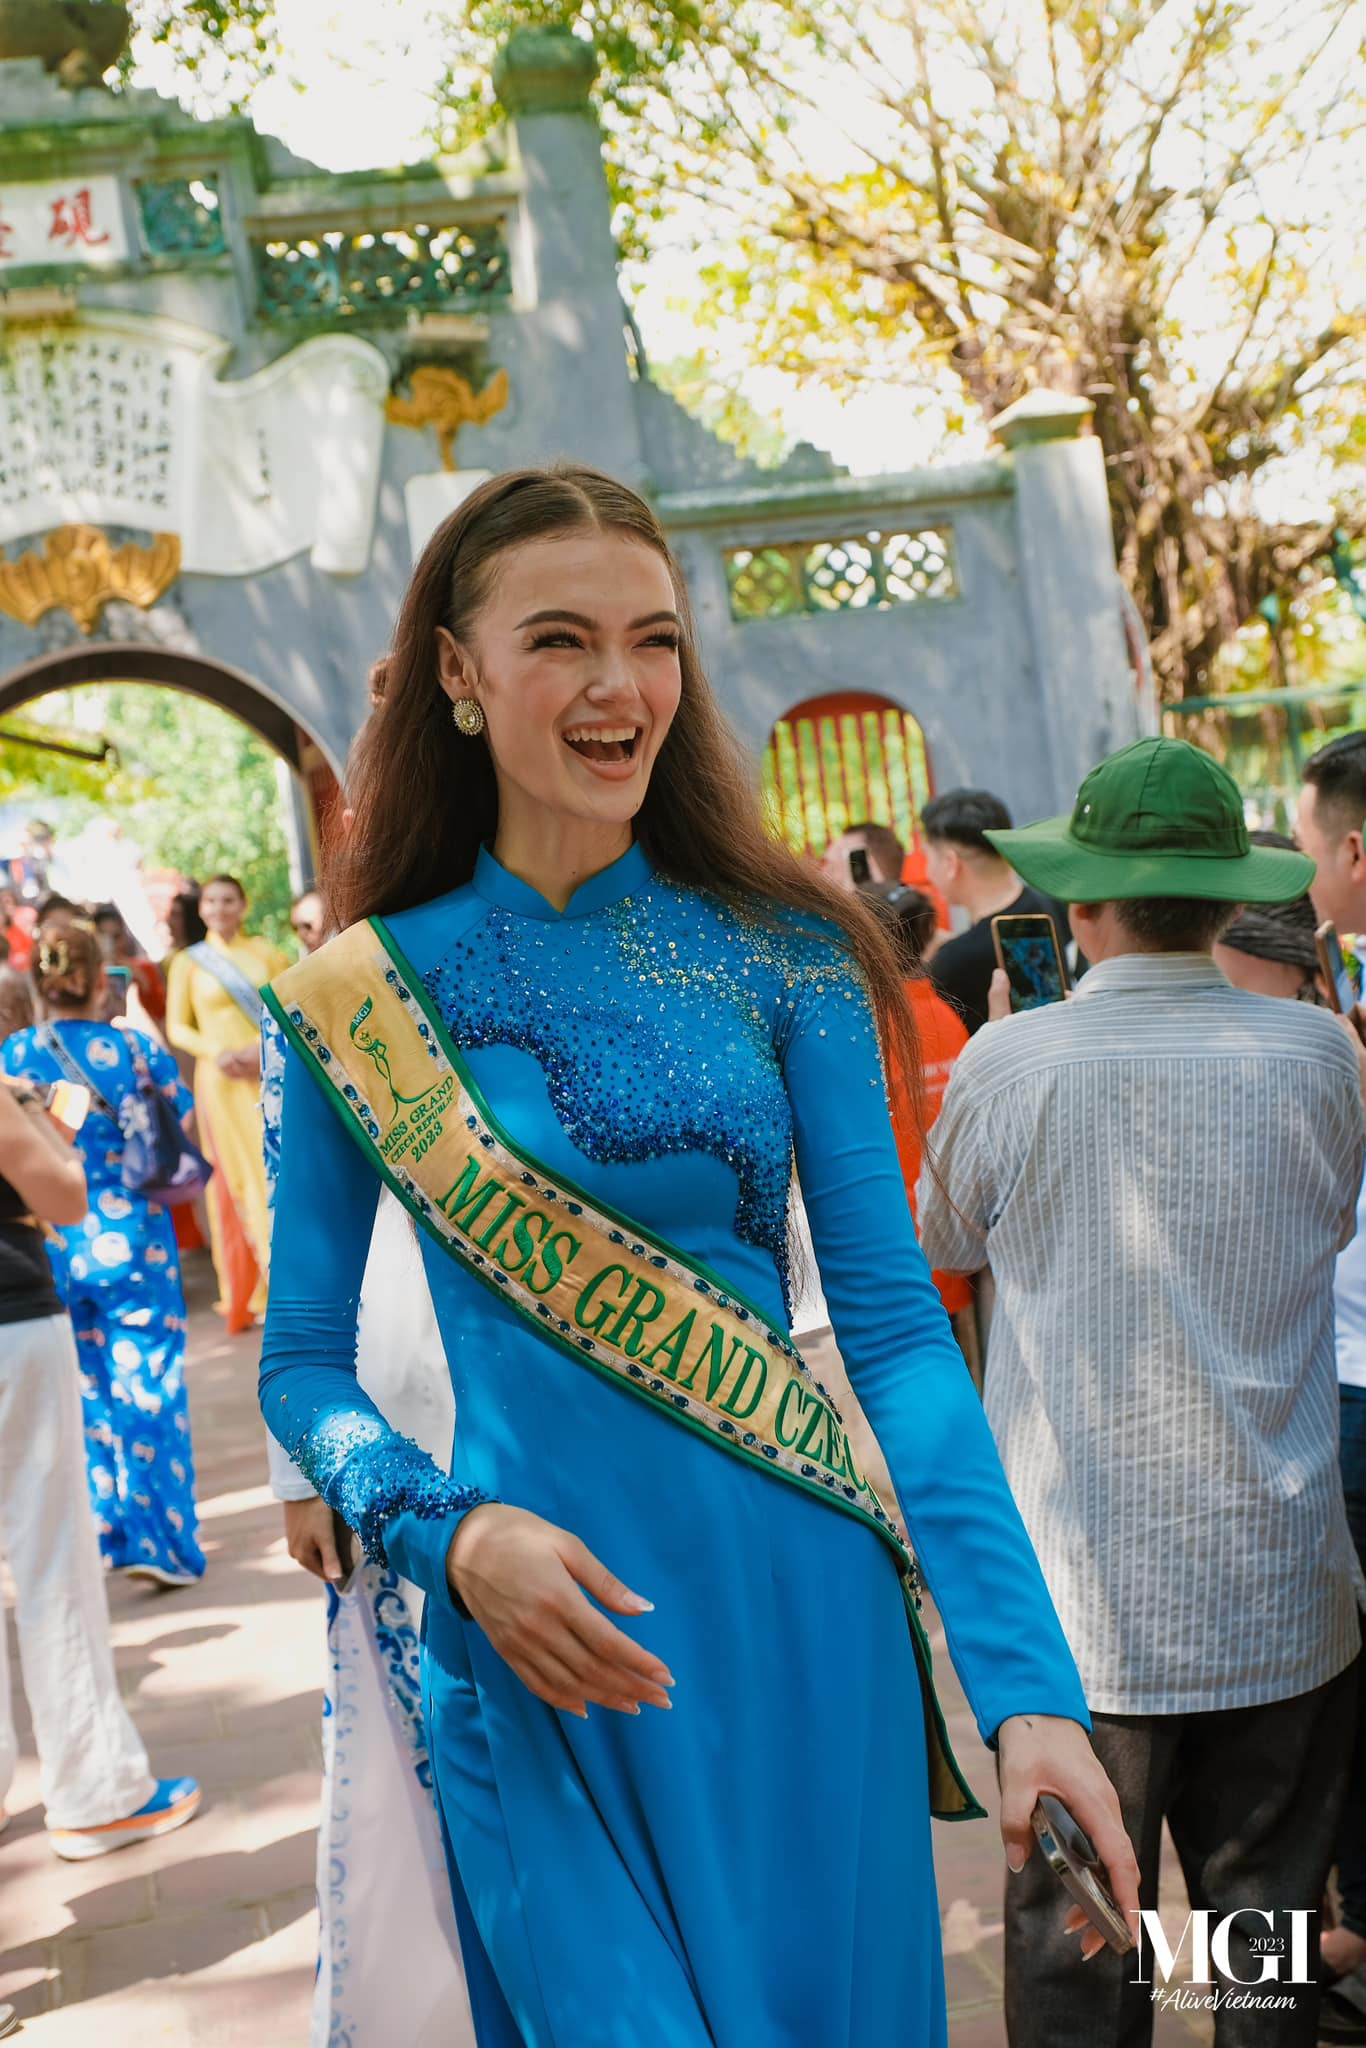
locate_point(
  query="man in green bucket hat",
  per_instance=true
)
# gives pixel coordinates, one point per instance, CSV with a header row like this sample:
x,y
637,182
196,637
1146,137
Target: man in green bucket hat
x,y
1159,819
1160,1174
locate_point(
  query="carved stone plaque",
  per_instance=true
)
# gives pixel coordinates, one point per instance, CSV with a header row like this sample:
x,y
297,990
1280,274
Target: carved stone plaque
x,y
118,420
88,428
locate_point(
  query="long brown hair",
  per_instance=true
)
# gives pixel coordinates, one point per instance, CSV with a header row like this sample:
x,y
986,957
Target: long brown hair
x,y
425,798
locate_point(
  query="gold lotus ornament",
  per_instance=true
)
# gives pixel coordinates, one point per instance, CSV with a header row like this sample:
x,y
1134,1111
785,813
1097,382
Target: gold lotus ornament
x,y
447,401
79,572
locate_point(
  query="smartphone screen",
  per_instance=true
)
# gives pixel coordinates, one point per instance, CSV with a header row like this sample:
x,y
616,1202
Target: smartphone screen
x,y
859,871
1336,973
1028,949
118,979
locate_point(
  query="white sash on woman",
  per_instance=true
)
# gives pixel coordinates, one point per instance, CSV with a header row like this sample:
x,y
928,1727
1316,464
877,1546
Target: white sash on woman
x,y
230,978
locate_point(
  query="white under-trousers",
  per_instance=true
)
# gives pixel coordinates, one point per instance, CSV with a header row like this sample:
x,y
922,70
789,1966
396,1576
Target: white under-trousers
x,y
94,1767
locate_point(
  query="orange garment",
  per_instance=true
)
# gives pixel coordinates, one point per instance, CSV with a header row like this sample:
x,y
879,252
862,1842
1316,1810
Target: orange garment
x,y
20,935
239,1277
942,1035
151,987
188,1235
915,873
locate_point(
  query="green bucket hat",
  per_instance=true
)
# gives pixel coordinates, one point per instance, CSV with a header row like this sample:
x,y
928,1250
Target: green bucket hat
x,y
1159,818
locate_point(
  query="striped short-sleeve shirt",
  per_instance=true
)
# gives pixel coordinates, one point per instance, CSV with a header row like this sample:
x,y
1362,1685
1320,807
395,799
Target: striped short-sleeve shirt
x,y
1160,1175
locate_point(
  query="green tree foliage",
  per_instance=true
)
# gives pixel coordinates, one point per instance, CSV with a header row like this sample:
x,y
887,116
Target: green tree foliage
x,y
722,408
35,774
1141,201
194,788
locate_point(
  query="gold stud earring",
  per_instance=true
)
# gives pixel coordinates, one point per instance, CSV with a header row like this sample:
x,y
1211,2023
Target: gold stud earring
x,y
468,714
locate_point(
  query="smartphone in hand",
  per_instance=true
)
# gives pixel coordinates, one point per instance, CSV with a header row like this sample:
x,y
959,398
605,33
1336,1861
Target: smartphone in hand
x,y
1068,1850
1342,995
1028,949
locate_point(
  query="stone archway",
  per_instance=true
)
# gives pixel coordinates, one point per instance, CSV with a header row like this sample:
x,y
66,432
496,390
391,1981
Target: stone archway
x,y
317,774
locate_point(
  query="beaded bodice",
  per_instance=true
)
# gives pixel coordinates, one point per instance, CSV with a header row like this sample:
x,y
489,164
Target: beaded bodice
x,y
656,1014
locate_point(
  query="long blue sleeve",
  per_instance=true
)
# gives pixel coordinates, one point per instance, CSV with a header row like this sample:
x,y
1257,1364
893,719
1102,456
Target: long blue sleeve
x,y
405,1509
1007,1645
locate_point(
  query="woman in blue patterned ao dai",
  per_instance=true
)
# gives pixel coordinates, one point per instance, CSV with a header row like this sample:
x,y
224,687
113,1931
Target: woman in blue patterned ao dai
x,y
118,1273
663,1007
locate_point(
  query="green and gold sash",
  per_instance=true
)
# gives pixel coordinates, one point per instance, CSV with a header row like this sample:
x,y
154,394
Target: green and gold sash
x,y
606,1292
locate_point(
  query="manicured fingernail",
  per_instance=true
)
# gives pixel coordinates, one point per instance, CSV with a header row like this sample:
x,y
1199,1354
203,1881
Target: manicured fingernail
x,y
1015,1856
642,1606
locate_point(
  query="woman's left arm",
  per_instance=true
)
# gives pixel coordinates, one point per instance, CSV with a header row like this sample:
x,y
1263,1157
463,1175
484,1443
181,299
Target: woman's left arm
x,y
1004,1636
182,1021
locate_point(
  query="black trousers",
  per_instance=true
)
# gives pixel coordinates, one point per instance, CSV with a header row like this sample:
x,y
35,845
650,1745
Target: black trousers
x,y
1352,1836
1252,1796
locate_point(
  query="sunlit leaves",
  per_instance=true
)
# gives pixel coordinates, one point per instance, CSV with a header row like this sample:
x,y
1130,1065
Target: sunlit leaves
x,y
1146,201
194,789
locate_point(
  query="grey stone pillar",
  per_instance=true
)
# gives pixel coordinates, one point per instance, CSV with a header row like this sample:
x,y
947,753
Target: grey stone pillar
x,y
573,379
1072,594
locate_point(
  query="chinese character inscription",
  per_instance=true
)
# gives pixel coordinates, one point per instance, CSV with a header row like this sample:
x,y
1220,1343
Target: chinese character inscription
x,y
87,428
61,222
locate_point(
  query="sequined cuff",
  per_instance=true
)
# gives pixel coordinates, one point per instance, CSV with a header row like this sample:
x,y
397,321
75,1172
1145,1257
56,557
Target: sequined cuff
x,y
368,1474
429,1496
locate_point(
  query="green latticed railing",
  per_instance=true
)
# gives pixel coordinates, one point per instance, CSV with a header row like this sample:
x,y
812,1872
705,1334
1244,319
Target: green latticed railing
x,y
181,217
868,573
395,270
820,775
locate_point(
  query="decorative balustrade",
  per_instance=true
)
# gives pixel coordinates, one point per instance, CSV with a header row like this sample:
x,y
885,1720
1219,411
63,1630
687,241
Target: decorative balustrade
x,y
181,217
395,270
866,573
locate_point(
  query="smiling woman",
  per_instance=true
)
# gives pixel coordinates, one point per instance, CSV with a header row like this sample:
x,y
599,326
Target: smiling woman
x,y
553,606
583,1019
577,703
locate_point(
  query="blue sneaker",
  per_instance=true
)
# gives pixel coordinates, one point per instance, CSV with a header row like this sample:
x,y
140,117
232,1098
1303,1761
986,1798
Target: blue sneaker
x,y
174,1801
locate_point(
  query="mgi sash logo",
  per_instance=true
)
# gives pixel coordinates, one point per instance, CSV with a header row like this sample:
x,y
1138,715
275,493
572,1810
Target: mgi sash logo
x,y
1244,1948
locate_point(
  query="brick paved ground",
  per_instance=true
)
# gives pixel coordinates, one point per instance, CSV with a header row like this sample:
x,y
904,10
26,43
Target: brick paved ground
x,y
206,1939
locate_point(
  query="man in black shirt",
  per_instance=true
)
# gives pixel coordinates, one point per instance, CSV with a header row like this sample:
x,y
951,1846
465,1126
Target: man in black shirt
x,y
967,870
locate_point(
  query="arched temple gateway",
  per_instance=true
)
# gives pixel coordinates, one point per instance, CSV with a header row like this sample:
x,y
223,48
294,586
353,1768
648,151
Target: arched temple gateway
x,y
237,393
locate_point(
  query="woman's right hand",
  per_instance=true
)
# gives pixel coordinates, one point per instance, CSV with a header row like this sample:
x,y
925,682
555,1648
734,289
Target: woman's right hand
x,y
525,1582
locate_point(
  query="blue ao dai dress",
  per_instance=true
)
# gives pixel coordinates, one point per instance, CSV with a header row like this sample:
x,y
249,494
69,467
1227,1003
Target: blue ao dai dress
x,y
118,1274
752,1869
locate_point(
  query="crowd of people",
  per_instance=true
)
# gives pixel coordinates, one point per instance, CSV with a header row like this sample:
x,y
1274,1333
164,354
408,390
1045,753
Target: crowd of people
x,y
93,1319
666,1105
